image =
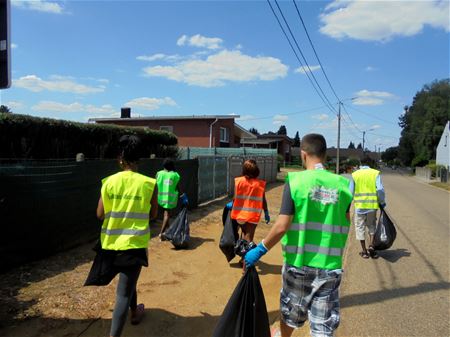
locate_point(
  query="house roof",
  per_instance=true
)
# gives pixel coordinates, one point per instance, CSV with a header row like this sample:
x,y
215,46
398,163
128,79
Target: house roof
x,y
153,118
243,133
258,141
276,137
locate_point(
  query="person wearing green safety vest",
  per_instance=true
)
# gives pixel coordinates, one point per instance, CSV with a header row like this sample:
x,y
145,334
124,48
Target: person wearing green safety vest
x,y
368,191
168,190
313,226
128,200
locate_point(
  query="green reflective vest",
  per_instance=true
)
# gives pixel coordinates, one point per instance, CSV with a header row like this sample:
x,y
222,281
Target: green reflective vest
x,y
319,229
167,188
126,199
365,196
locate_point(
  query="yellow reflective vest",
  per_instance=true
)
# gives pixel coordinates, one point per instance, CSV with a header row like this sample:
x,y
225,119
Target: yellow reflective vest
x,y
126,199
365,195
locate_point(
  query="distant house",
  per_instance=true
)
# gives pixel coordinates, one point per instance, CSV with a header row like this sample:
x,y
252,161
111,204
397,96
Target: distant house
x,y
443,148
282,143
191,131
345,154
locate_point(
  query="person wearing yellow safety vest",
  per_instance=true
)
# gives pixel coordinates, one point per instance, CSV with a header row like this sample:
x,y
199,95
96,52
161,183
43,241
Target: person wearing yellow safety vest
x,y
313,226
168,191
249,200
368,192
127,202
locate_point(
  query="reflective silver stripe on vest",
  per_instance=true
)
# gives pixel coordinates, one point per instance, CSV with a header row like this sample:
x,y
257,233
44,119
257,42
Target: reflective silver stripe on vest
x,y
168,193
313,249
247,209
362,201
317,226
126,215
365,194
246,197
122,231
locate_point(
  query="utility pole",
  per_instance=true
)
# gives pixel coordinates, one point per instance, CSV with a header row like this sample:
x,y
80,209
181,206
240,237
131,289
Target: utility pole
x,y
338,138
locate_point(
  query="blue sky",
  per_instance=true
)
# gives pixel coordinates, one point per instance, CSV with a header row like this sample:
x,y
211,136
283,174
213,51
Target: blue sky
x,y
81,59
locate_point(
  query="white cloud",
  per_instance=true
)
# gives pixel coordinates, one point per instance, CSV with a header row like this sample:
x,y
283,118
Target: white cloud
x,y
304,69
366,97
224,66
370,68
14,105
39,6
278,119
14,46
55,83
321,117
148,103
383,20
159,56
200,41
375,126
51,106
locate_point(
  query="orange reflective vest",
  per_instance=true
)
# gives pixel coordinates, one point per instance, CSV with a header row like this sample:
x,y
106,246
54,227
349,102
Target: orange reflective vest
x,y
248,199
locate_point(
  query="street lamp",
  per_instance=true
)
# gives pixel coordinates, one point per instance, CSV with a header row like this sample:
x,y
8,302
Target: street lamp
x,y
364,138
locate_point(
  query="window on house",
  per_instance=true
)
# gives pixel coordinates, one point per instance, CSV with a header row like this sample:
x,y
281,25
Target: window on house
x,y
168,128
224,135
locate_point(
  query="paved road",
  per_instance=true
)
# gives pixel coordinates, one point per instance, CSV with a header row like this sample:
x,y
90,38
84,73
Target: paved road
x,y
406,291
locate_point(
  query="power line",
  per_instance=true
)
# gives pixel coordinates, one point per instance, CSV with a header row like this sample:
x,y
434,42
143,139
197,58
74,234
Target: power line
x,y
315,52
351,120
367,114
324,100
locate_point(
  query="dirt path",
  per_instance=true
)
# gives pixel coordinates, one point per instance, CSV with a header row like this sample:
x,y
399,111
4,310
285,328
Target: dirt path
x,y
184,291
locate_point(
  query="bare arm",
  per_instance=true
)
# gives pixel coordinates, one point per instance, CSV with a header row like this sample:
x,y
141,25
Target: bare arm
x,y
278,230
154,204
264,202
100,209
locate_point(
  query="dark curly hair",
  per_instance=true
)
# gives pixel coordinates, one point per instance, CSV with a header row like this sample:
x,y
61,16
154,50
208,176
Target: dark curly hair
x,y
129,148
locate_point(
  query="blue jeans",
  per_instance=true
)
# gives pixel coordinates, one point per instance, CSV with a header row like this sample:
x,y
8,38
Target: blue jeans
x,y
311,293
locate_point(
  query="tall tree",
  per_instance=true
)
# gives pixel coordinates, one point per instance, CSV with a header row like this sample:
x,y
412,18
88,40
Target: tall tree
x,y
282,130
4,109
359,146
390,154
351,145
297,140
423,122
254,131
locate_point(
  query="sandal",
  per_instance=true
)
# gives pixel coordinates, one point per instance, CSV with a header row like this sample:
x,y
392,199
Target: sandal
x,y
138,314
373,254
364,255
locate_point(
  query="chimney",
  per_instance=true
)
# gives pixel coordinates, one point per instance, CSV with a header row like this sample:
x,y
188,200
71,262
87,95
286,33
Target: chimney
x,y
125,112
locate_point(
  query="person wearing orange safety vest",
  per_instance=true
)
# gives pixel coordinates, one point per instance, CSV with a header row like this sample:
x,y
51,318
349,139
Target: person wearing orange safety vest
x,y
249,200
128,200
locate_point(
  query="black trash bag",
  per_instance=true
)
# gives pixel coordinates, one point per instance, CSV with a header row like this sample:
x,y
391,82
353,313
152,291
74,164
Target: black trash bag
x,y
242,246
245,314
178,232
103,269
229,235
385,232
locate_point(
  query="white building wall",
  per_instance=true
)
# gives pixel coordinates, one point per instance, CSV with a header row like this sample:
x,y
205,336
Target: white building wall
x,y
443,148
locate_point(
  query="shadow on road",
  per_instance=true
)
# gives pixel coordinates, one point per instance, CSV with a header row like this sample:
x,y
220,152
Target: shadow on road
x,y
156,323
393,255
389,294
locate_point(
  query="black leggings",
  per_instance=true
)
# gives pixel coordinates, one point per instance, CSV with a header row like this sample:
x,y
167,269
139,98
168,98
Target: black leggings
x,y
125,297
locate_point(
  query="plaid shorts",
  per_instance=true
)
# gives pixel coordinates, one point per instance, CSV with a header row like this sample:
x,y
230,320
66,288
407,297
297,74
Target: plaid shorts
x,y
311,293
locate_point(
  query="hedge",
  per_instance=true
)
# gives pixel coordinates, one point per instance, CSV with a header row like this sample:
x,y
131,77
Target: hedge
x,y
23,136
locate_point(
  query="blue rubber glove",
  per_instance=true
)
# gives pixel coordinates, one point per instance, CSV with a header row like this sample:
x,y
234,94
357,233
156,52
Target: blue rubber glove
x,y
254,255
266,215
230,205
184,199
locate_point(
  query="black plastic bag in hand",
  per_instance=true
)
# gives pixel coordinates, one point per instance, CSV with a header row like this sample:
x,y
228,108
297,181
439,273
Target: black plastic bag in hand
x,y
245,314
102,270
178,232
229,235
385,233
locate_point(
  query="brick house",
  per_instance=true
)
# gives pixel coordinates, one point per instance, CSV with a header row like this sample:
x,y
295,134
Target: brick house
x,y
193,131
